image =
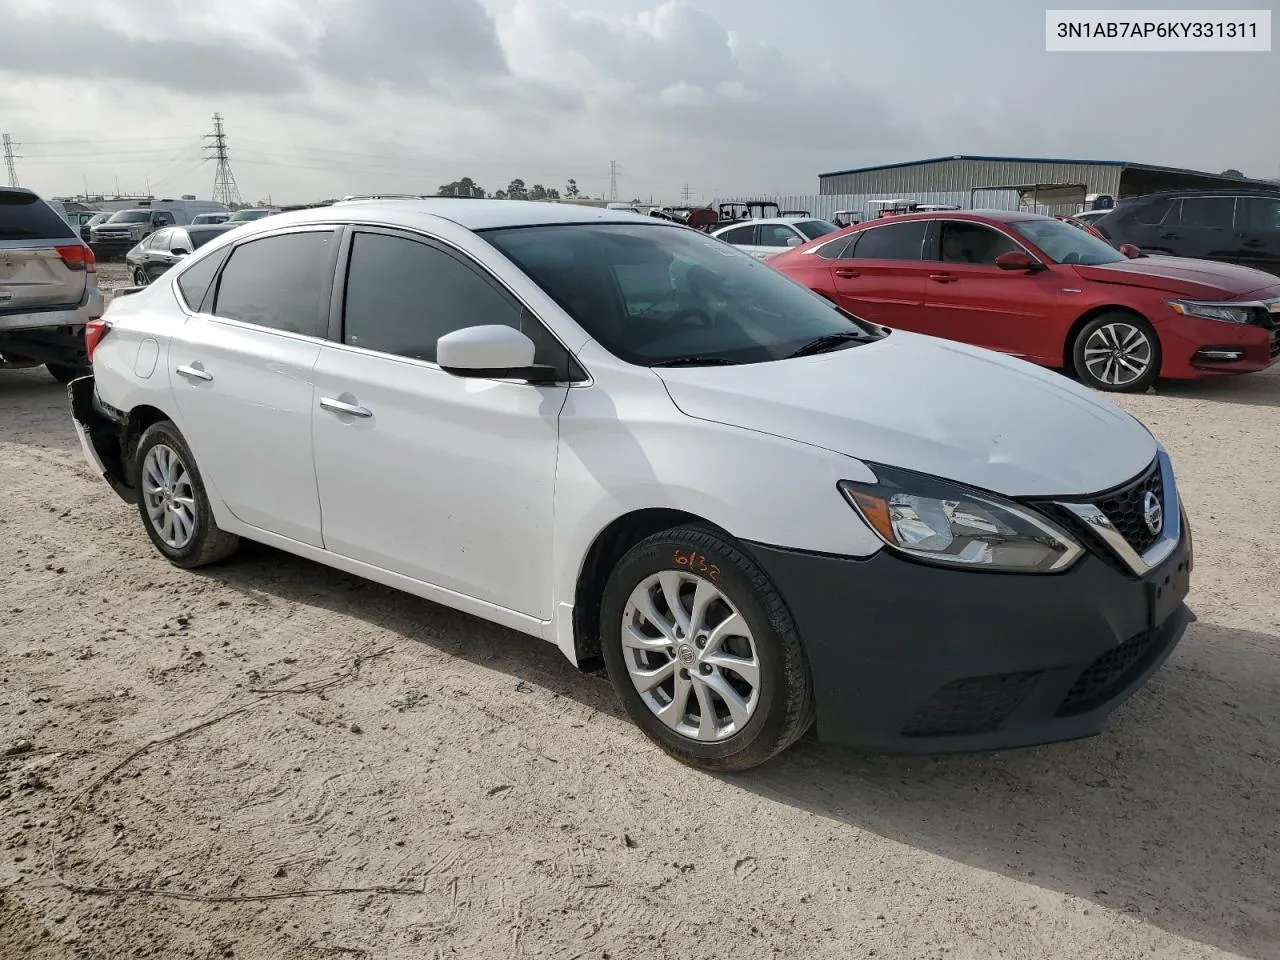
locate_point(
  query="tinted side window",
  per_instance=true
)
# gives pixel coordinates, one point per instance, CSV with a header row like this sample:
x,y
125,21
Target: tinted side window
x,y
402,296
179,239
1153,213
776,235
1207,211
972,243
836,248
895,241
740,236
24,216
1260,214
195,280
277,282
159,240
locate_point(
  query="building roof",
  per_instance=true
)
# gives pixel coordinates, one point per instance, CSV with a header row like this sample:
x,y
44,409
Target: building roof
x,y
1151,168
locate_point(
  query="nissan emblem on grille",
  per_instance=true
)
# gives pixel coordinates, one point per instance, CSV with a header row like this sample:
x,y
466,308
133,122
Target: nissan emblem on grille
x,y
1152,513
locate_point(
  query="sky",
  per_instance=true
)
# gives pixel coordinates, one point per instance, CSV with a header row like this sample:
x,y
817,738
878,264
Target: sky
x,y
328,97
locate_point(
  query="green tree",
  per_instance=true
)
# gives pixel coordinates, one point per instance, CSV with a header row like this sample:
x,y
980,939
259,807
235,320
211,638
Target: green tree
x,y
516,190
537,192
466,187
571,190
1233,173
498,195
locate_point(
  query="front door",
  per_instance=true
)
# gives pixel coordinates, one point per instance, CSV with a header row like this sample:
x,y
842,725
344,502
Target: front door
x,y
971,300
242,380
446,480
880,275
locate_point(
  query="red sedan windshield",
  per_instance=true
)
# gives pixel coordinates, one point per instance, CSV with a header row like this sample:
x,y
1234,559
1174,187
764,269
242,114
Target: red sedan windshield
x,y
1063,243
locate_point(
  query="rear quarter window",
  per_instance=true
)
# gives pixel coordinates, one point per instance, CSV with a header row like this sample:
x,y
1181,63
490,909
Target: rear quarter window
x,y
27,217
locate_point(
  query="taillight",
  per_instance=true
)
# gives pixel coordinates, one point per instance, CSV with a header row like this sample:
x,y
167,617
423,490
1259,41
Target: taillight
x,y
78,257
94,332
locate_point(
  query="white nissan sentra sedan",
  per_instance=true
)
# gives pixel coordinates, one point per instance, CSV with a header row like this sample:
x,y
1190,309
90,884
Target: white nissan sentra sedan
x,y
642,445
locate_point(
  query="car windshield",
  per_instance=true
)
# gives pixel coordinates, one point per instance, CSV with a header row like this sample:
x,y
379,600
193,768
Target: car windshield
x,y
813,229
1063,243
130,216
666,294
202,235
248,214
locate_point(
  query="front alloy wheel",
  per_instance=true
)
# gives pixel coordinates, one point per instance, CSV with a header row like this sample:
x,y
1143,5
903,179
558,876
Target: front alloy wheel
x,y
702,650
168,496
140,278
1118,352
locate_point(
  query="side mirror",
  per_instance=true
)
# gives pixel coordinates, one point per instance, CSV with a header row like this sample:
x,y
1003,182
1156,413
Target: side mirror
x,y
491,352
1130,251
794,242
180,252
1017,260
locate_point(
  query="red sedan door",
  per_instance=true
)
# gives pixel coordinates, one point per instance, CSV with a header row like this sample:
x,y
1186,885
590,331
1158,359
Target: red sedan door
x,y
880,275
972,300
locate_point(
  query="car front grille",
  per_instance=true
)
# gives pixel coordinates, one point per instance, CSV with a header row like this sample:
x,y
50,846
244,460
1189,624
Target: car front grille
x,y
1108,675
972,705
1124,508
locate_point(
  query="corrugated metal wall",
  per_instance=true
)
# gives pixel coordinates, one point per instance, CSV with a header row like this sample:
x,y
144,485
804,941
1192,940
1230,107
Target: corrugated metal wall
x,y
825,206
961,176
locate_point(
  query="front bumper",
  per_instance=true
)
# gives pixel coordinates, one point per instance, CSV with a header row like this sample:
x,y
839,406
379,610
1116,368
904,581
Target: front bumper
x,y
1193,347
104,247
909,658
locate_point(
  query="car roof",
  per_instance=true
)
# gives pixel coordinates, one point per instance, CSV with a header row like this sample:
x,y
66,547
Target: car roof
x,y
471,214
208,227
766,220
995,216
1243,190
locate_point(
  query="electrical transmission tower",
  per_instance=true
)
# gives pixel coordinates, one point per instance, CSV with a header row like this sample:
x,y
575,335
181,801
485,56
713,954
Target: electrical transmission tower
x,y
9,156
224,181
685,194
613,179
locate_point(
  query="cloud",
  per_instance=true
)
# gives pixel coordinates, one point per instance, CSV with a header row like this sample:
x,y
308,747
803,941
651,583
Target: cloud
x,y
194,66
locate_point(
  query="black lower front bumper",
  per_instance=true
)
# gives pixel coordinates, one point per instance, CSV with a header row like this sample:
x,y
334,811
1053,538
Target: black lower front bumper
x,y
101,435
909,658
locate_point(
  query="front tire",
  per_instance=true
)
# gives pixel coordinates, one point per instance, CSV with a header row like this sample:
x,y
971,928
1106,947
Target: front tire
x,y
172,500
702,651
1117,352
140,278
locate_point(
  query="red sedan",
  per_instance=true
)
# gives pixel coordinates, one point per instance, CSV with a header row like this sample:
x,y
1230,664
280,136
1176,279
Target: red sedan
x,y
1041,289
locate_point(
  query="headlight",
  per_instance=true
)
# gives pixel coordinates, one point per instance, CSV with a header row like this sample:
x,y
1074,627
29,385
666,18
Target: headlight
x,y
946,523
1226,312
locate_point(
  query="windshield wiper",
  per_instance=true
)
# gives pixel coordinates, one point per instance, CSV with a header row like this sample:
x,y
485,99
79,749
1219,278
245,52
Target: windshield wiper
x,y
829,342
695,360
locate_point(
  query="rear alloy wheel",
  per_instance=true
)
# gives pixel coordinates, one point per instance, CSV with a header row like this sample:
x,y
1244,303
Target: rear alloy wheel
x,y
703,652
140,278
172,501
1117,352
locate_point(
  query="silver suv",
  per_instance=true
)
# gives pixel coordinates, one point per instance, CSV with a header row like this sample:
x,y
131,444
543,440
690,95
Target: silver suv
x,y
48,287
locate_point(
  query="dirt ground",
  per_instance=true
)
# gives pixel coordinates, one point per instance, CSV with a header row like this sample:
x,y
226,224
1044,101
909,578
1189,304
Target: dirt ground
x,y
364,774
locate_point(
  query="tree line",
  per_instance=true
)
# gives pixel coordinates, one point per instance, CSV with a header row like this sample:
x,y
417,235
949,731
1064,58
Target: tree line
x,y
516,190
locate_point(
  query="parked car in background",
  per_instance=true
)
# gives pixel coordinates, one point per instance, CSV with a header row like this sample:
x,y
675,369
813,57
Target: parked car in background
x,y
1231,226
1090,216
164,248
1081,224
628,439
48,287
252,213
1040,289
126,228
205,218
768,238
86,228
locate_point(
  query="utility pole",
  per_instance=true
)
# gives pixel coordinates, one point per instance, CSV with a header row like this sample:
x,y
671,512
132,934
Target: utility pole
x,y
9,156
613,179
225,189
685,194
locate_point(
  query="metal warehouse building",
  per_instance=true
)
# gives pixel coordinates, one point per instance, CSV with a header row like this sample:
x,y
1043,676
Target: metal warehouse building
x,y
965,177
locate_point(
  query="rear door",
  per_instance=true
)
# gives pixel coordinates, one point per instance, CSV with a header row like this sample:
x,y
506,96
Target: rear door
x,y
880,276
242,377
1202,227
743,237
1259,221
33,274
775,238
969,299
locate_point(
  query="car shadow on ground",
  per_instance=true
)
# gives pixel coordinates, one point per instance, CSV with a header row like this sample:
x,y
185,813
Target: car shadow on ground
x,y
1179,792
31,401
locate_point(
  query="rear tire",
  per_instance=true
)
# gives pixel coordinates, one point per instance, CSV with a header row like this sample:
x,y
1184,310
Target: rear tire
x,y
172,500
66,372
722,683
140,278
1117,352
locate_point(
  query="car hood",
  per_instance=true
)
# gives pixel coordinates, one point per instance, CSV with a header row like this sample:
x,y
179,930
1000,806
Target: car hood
x,y
932,406
1203,279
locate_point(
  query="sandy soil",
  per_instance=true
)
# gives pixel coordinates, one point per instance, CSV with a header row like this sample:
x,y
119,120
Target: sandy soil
x,y
464,792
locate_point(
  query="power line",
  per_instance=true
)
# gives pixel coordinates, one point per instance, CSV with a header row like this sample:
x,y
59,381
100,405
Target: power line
x,y
225,189
9,158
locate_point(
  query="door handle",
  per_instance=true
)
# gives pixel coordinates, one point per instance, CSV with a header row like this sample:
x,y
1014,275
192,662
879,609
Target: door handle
x,y
334,405
1251,243
1169,236
845,273
194,373
942,277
